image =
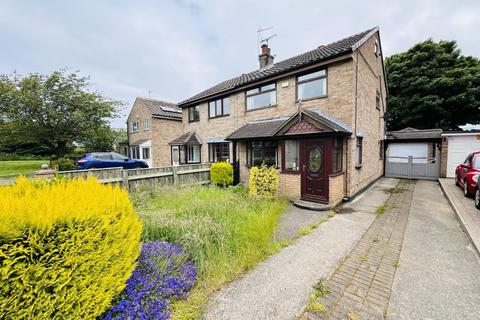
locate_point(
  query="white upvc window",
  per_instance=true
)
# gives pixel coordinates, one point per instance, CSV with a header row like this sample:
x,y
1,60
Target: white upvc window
x,y
146,124
134,126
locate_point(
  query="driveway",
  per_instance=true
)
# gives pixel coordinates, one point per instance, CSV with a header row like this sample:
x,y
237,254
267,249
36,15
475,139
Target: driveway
x,y
439,271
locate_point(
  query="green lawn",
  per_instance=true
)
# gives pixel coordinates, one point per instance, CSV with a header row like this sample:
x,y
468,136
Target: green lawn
x,y
14,168
225,232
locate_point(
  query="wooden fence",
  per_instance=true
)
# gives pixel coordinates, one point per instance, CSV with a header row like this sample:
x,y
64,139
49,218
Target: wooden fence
x,y
149,177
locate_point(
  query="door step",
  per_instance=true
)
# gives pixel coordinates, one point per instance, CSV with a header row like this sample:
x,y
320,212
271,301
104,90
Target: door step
x,y
315,206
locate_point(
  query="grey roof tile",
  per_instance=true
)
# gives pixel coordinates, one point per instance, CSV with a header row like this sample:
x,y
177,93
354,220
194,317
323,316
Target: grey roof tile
x,y
161,108
189,138
319,54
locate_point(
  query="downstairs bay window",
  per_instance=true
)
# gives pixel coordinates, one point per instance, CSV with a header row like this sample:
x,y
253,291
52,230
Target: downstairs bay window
x,y
259,152
185,154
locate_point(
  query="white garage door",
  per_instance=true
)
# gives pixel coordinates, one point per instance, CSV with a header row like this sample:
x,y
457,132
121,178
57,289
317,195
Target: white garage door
x,y
399,152
458,149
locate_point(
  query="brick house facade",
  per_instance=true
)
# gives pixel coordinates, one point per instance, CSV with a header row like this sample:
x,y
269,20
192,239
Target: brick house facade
x,y
151,125
317,116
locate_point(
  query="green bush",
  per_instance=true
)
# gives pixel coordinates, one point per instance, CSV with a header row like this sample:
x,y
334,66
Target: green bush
x,y
67,248
15,157
221,173
65,164
263,181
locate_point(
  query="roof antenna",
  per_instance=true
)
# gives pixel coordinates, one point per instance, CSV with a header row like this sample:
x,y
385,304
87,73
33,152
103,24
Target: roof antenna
x,y
149,93
261,40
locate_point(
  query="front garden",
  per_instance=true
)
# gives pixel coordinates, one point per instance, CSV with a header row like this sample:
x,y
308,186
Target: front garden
x,y
78,249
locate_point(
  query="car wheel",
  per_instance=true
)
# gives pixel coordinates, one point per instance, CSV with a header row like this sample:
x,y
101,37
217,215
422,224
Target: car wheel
x,y
456,181
477,198
137,167
465,188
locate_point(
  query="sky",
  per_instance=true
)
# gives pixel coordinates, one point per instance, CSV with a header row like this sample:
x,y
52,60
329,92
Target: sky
x,y
171,50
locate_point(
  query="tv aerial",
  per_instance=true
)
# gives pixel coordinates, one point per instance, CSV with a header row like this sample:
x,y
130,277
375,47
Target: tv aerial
x,y
260,37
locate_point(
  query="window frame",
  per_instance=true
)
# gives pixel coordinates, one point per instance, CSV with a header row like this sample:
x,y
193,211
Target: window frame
x,y
337,149
249,149
146,124
378,100
132,130
298,82
149,153
187,153
212,151
223,114
284,159
259,93
196,114
359,153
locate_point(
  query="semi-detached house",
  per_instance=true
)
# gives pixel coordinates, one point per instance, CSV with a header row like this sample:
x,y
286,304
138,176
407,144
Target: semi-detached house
x,y
317,116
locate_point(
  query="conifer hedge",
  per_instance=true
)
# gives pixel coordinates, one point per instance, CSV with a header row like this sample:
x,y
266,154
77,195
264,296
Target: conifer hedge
x,y
67,248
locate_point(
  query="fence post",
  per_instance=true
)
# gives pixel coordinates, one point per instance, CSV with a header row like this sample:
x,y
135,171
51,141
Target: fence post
x,y
175,175
125,180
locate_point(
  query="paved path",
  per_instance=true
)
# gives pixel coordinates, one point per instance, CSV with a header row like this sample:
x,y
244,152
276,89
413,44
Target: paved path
x,y
439,272
279,287
464,208
360,287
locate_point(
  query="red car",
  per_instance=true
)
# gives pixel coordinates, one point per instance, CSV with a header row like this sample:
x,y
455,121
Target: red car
x,y
467,173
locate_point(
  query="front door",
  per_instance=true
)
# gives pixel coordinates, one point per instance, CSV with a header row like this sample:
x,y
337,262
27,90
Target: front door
x,y
314,171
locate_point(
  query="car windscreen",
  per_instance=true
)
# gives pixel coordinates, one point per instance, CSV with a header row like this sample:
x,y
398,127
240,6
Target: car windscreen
x,y
476,162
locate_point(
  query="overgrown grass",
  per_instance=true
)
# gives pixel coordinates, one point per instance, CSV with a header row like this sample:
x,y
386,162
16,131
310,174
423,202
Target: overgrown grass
x,y
224,230
19,167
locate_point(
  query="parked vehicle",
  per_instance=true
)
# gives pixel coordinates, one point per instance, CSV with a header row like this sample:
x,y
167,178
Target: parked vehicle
x,y
108,160
468,172
477,195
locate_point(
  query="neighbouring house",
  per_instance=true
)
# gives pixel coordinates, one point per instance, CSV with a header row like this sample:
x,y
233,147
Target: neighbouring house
x,y
456,146
317,116
413,153
152,124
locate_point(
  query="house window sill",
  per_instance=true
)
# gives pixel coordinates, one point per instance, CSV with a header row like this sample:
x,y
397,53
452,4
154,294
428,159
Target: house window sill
x,y
336,174
358,166
260,108
290,172
222,116
312,98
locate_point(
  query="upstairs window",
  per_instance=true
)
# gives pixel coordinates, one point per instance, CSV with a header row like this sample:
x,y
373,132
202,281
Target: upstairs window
x,y
146,124
375,48
218,152
377,100
312,85
194,114
134,126
219,107
259,152
262,97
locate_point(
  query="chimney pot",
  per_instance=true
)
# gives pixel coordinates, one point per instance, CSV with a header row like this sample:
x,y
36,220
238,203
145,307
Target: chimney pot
x,y
265,58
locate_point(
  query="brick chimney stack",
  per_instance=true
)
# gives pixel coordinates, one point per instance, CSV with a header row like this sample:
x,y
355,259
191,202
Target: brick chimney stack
x,y
265,58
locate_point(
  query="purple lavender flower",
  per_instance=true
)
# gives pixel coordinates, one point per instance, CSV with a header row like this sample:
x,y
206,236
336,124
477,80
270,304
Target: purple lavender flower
x,y
163,272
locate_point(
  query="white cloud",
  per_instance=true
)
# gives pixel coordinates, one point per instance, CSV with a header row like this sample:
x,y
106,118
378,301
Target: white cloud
x,y
177,48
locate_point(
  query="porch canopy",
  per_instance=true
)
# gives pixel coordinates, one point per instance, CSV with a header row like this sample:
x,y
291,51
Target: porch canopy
x,y
189,138
300,123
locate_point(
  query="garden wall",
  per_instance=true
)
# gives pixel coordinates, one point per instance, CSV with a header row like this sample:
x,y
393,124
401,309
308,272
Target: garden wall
x,y
149,177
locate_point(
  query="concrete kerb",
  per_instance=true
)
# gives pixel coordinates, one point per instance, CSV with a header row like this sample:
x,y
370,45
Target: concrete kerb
x,y
458,214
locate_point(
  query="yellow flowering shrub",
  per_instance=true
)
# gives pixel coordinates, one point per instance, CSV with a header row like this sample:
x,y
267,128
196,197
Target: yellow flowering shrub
x,y
221,173
263,181
67,248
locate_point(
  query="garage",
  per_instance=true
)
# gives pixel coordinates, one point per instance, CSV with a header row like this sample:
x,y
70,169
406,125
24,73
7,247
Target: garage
x,y
413,154
457,146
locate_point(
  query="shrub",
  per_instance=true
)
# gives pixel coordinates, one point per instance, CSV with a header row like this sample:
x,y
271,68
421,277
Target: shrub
x,y
67,248
221,173
65,164
163,272
15,157
263,181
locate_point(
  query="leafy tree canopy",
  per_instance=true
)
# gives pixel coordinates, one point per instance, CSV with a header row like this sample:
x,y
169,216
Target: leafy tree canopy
x,y
52,112
432,85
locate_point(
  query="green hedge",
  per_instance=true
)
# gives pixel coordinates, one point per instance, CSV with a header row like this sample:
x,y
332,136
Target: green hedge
x,y
221,173
66,248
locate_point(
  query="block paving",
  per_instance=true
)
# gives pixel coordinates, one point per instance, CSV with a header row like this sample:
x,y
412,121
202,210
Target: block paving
x,y
361,285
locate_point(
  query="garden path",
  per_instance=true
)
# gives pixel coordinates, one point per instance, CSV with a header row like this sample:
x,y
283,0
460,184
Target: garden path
x,y
279,287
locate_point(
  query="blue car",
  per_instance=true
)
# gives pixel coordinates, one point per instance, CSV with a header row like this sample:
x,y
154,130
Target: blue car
x,y
108,160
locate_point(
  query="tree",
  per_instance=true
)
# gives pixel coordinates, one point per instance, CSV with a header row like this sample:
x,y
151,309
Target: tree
x,y
432,85
53,111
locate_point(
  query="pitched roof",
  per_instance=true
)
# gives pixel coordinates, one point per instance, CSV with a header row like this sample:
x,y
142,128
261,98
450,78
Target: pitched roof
x,y
279,126
257,129
319,54
161,108
414,134
190,138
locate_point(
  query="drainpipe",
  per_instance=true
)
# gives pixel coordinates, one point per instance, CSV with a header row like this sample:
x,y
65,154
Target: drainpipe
x,y
346,197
